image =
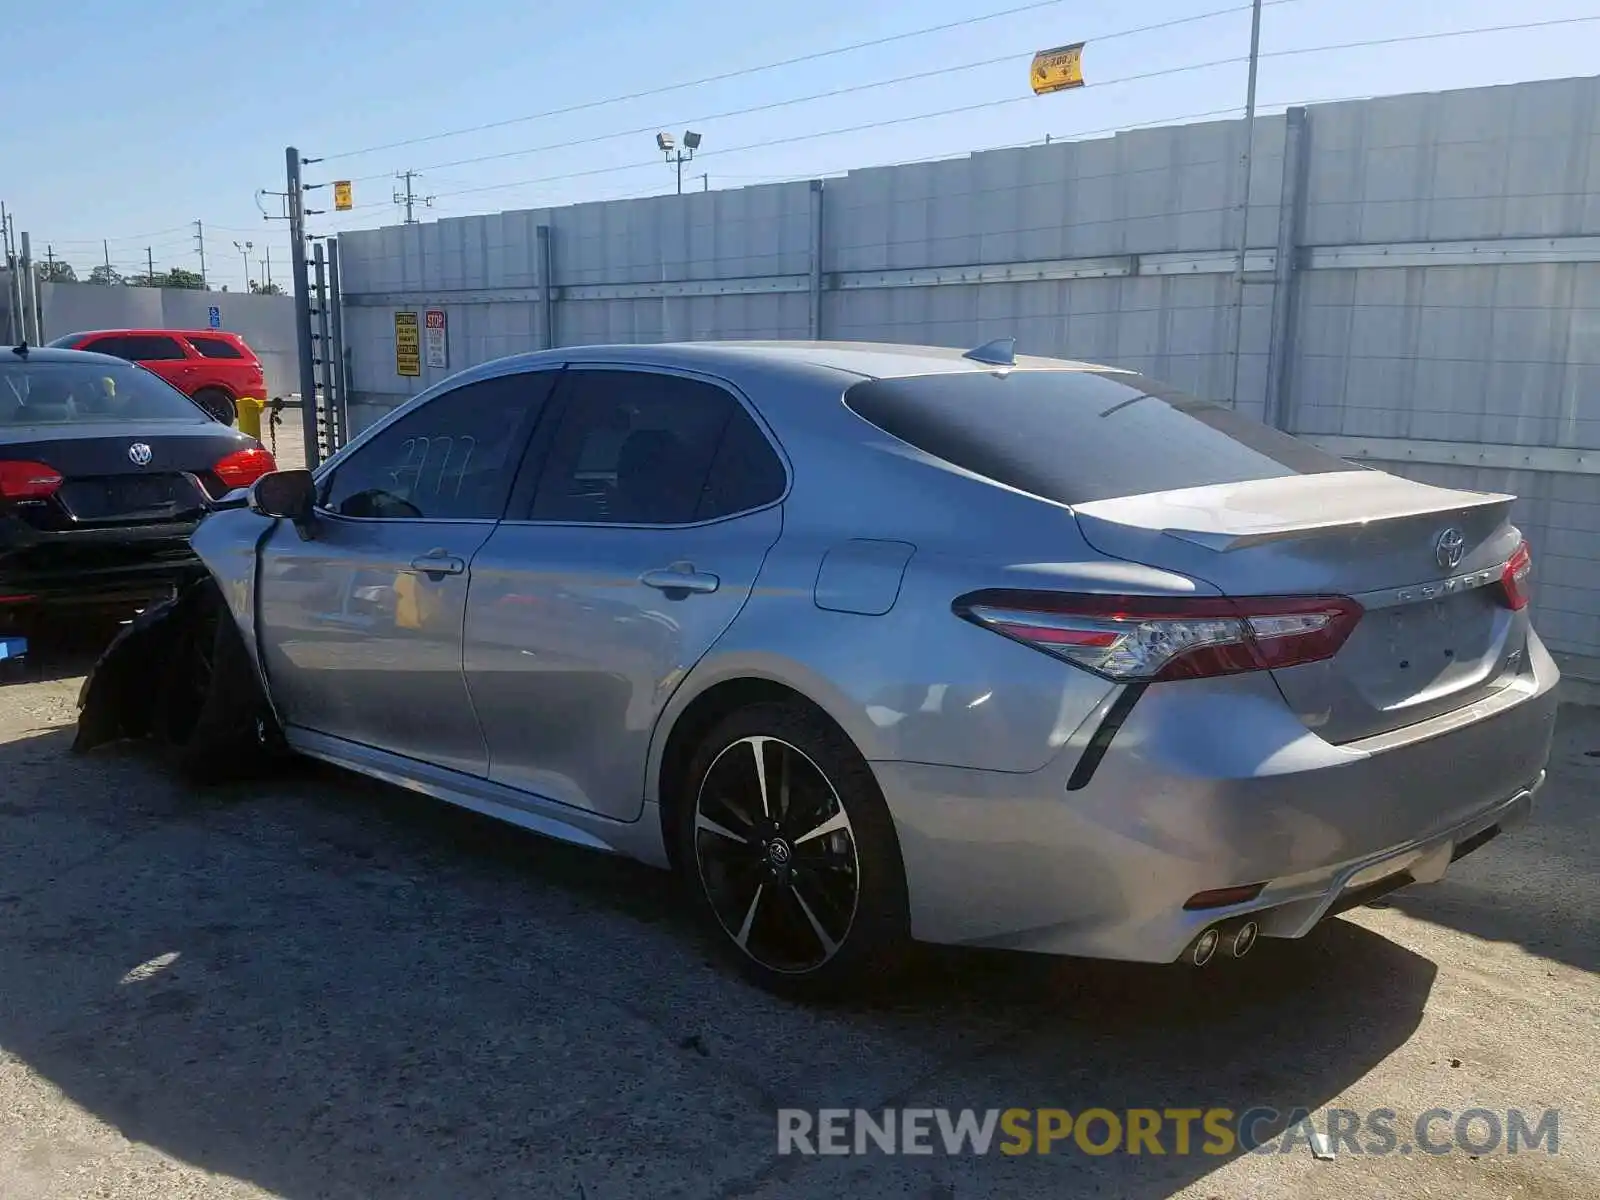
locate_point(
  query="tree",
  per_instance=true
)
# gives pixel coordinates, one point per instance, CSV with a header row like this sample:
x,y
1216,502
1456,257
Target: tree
x,y
104,275
177,277
265,289
56,272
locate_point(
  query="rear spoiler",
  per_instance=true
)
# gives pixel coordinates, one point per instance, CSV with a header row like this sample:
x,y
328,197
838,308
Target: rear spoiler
x,y
1236,516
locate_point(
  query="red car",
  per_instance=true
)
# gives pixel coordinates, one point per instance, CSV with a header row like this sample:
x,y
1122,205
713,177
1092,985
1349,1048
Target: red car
x,y
211,366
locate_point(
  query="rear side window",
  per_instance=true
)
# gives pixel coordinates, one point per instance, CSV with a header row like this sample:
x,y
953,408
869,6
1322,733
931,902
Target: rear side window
x,y
138,347
215,347
1079,436
642,448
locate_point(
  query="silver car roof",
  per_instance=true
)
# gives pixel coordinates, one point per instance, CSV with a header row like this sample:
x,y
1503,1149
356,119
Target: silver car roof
x,y
863,360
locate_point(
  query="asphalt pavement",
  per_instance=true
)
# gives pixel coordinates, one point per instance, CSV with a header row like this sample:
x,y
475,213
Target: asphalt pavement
x,y
323,987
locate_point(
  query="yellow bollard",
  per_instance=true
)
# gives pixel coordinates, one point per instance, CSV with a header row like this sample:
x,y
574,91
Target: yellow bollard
x,y
249,420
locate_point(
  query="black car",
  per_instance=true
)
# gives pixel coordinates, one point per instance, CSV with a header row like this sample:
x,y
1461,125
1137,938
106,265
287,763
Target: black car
x,y
104,472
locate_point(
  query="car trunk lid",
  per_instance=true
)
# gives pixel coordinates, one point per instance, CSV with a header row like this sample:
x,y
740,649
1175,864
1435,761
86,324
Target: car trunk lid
x,y
108,479
1423,561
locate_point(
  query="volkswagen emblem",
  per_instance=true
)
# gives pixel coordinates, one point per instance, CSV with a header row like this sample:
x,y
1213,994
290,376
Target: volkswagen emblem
x,y
139,454
1450,547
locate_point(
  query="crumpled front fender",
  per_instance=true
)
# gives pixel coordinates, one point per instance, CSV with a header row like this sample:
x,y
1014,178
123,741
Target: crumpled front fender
x,y
120,696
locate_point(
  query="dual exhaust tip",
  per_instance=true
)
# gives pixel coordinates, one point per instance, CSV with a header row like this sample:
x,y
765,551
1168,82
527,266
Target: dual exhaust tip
x,y
1235,938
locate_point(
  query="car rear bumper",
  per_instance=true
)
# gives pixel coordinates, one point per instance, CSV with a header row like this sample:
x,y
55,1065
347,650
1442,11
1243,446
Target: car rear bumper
x,y
1211,784
106,567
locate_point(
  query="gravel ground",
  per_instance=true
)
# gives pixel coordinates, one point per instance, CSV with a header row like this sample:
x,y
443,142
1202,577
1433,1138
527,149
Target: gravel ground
x,y
322,987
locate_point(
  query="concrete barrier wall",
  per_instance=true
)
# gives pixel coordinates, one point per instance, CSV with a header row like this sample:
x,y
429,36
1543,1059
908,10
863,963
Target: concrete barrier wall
x,y
1422,288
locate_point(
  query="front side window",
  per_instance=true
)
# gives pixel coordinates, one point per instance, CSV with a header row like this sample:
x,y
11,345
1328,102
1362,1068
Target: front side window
x,y
455,458
150,348
117,347
640,448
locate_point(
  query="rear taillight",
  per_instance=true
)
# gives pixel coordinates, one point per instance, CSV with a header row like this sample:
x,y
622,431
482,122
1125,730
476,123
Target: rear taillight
x,y
1516,582
1139,639
244,467
28,480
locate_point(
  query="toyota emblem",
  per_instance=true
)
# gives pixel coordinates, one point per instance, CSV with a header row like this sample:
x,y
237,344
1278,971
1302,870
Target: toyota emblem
x,y
1450,548
139,454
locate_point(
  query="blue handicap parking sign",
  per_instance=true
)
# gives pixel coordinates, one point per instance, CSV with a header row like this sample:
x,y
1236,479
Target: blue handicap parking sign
x,y
214,315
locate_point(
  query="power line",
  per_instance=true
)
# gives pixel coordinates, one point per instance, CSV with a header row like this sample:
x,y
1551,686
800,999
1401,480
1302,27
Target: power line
x,y
843,91
1429,37
131,237
999,103
773,66
849,89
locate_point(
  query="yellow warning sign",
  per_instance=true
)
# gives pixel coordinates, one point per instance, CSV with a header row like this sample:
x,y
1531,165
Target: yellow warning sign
x,y
342,196
407,344
1057,70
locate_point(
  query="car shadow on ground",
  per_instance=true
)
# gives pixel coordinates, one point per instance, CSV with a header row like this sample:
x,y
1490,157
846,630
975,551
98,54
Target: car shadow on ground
x,y
334,988
1539,885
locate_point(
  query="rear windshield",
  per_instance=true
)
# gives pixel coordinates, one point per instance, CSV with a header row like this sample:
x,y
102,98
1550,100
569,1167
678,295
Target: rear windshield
x,y
82,393
1079,436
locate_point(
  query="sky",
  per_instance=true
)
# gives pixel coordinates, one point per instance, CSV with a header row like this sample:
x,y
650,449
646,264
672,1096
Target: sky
x,y
131,121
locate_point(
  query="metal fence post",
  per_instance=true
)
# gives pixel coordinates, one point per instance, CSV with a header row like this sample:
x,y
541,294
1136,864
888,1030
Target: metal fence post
x,y
815,323
302,305
330,424
1285,283
547,291
341,377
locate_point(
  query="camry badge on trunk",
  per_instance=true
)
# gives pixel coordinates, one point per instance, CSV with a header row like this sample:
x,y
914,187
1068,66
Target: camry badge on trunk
x,y
139,455
1447,551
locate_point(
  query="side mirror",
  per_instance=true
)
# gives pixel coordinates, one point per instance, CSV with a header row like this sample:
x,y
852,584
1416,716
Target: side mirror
x,y
291,495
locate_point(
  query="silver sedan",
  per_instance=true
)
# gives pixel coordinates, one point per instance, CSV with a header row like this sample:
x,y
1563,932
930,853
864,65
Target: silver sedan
x,y
878,644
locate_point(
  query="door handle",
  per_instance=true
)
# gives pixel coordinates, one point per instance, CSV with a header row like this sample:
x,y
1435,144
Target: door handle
x,y
680,578
436,564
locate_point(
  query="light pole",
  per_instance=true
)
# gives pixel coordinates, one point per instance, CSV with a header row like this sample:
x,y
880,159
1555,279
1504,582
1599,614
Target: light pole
x,y
244,249
668,147
1244,201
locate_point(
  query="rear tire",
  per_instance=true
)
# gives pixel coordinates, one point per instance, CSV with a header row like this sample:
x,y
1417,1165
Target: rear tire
x,y
789,850
218,404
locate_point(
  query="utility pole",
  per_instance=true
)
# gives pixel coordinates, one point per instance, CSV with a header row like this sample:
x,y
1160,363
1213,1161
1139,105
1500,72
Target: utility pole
x,y
200,241
409,197
1244,202
50,257
105,248
32,305
149,267
268,262
13,283
244,249
302,305
705,183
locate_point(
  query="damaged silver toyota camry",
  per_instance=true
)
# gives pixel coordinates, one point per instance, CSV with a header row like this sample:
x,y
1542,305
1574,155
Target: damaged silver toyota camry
x,y
877,644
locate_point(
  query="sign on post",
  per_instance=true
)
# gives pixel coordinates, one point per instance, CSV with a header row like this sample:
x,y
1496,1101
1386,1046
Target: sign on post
x,y
1057,70
435,347
407,344
214,317
342,198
